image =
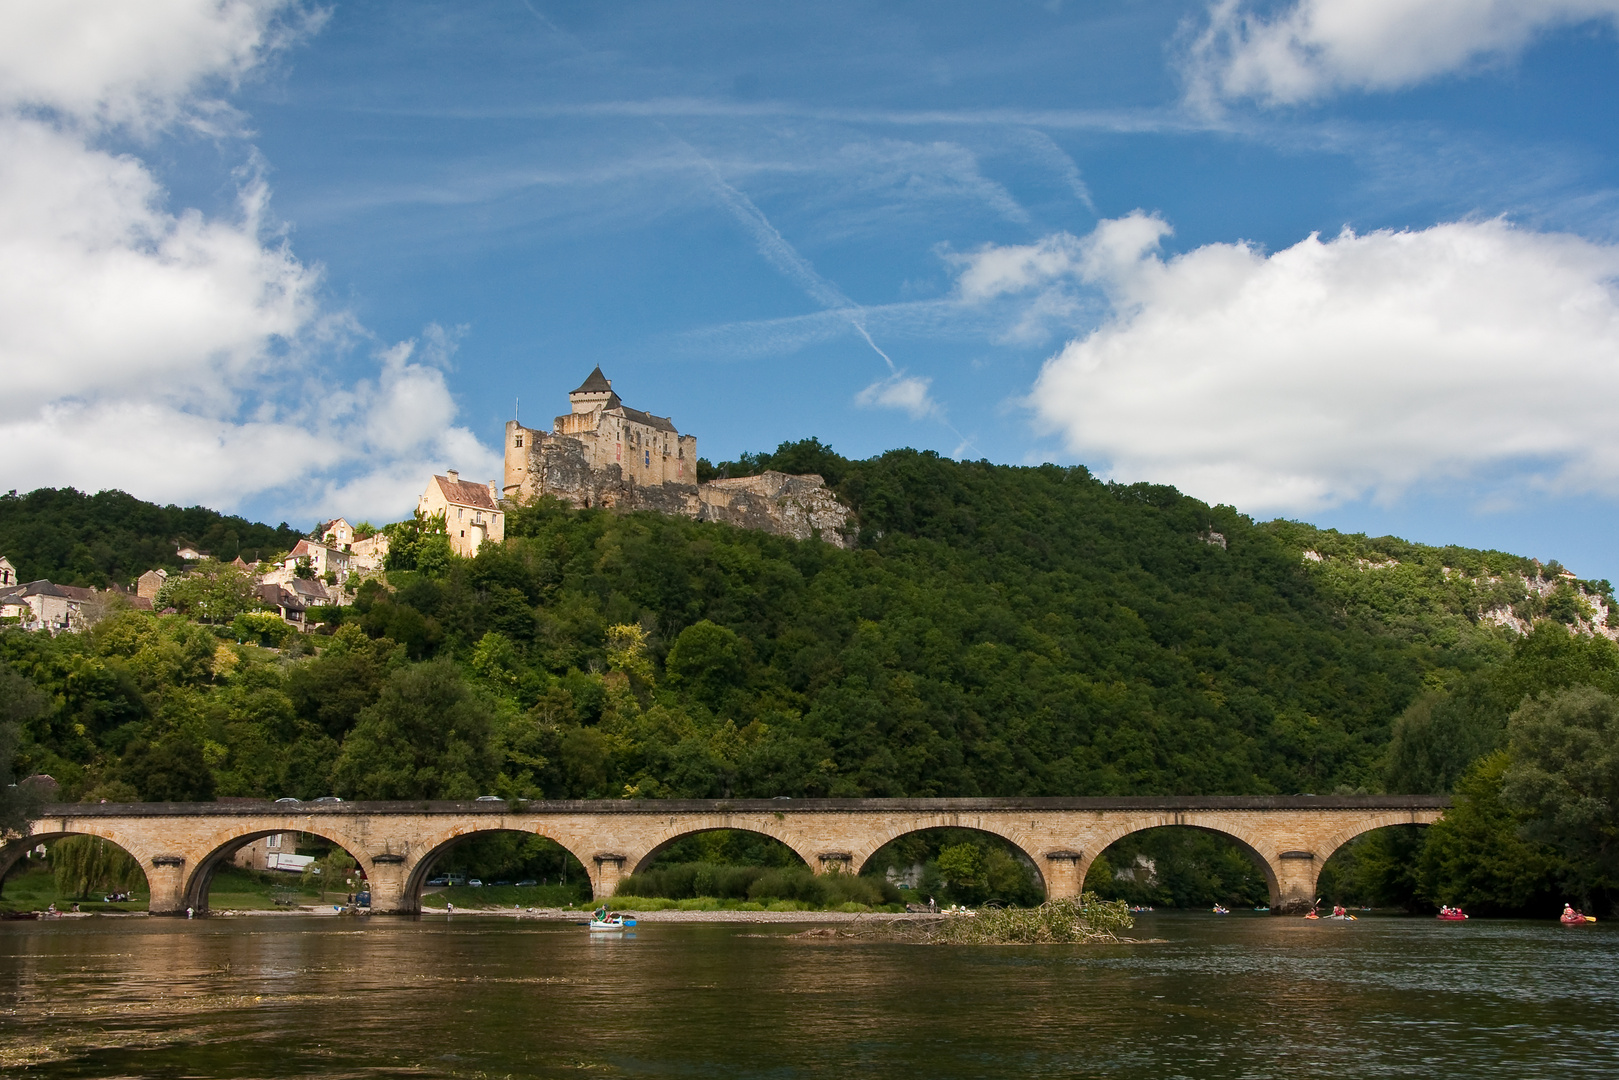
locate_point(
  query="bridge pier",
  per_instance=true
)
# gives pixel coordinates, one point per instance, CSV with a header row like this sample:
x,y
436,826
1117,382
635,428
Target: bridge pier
x,y
1296,873
385,878
166,878
1065,874
609,871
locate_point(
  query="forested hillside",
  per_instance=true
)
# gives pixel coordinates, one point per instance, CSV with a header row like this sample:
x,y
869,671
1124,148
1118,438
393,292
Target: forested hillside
x,y
997,630
109,538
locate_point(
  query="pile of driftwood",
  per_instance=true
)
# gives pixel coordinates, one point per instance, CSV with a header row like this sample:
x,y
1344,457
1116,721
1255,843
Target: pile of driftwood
x,y
1071,920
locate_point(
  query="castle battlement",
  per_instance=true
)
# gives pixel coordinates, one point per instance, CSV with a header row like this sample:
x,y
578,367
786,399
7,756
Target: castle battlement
x,y
602,453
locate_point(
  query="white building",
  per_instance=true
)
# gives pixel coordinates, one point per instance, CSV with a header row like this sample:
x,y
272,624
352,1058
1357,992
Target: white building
x,y
470,514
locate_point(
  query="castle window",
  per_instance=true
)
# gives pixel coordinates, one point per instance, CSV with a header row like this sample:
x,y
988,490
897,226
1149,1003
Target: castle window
x,y
519,441
649,457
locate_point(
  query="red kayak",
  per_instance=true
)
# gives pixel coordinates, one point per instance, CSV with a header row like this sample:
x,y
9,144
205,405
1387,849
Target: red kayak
x,y
1576,919
1452,916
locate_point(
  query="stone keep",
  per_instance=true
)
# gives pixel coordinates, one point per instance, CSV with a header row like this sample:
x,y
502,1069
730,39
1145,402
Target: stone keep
x,y
604,453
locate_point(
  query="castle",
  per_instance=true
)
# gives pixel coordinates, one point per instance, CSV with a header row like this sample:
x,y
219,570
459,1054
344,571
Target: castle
x,y
604,453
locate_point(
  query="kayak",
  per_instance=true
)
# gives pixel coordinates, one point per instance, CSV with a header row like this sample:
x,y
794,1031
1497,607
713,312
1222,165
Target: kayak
x,y
612,922
1576,920
1452,916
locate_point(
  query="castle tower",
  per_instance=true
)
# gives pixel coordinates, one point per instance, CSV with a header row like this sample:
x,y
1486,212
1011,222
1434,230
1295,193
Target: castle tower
x,y
596,392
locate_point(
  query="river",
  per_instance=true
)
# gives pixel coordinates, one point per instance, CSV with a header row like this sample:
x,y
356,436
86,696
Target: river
x,y
484,997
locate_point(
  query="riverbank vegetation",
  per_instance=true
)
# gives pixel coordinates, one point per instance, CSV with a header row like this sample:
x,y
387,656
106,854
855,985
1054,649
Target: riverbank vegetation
x,y
1085,919
995,631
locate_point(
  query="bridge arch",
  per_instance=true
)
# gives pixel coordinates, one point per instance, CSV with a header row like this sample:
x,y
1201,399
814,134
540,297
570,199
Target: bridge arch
x,y
1030,850
418,870
1247,844
13,851
667,837
1330,844
201,878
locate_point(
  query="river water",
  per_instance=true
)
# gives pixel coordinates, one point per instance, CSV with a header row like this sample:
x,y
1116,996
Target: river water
x,y
467,996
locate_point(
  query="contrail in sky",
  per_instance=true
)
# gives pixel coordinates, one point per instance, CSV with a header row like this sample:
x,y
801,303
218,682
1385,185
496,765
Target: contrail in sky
x,y
784,257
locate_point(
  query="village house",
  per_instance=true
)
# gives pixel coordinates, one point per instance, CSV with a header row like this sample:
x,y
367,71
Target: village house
x,y
321,558
367,554
8,573
470,514
149,584
55,609
273,852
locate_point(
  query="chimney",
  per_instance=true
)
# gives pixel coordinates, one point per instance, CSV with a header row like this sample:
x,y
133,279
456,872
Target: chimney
x,y
453,476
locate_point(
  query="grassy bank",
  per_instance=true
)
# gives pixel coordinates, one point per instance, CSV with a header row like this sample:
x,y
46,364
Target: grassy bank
x,y
34,889
506,896
712,903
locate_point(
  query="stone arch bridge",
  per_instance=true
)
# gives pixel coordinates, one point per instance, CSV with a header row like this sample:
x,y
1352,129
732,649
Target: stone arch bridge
x,y
180,845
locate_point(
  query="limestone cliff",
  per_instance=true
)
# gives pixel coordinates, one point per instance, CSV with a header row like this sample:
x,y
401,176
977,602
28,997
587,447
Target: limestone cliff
x,y
796,506
604,453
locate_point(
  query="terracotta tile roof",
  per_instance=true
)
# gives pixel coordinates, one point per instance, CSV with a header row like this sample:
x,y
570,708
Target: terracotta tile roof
x,y
466,493
301,550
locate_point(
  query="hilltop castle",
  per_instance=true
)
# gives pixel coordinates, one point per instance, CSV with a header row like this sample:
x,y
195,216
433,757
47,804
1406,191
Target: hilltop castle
x,y
604,453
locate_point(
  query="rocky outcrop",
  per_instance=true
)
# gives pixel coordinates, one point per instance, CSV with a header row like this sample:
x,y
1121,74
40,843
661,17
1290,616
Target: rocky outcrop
x,y
797,506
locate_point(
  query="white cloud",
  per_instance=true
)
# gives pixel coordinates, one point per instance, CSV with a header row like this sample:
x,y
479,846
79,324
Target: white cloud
x,y
1315,47
1359,366
900,391
176,355
141,65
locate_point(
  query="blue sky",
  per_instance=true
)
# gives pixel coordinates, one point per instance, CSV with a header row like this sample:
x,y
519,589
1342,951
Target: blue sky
x,y
1346,261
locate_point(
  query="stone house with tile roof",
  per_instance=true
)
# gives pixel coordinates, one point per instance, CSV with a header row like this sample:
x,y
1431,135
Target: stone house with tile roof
x,y
471,514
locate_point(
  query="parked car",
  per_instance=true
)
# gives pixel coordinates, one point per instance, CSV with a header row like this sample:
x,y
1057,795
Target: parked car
x,y
527,883
458,879
502,883
489,798
474,883
328,798
278,801
441,880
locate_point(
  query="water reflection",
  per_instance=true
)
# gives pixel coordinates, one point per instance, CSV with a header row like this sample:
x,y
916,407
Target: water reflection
x,y
1235,997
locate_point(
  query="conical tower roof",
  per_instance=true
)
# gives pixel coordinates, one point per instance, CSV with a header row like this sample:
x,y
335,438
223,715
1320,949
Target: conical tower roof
x,y
595,383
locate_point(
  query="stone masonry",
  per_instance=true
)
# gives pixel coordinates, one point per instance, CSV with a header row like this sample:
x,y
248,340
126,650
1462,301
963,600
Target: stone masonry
x,y
604,453
180,845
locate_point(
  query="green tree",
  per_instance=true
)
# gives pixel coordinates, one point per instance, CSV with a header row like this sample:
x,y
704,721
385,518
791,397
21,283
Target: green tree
x,y
1564,776
421,537
962,865
1439,735
1476,857
428,736
215,592
261,627
171,769
88,865
21,703
708,660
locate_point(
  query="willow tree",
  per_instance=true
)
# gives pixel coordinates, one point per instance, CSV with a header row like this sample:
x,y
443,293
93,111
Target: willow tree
x,y
86,865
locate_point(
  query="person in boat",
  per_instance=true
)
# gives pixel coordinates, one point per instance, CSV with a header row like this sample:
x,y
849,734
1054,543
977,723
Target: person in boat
x,y
1570,915
600,914
1339,911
